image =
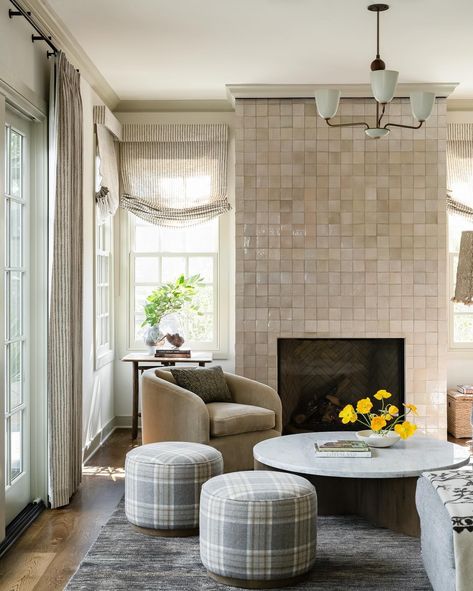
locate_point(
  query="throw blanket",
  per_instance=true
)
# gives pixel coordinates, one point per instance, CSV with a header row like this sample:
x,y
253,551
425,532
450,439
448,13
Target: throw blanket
x,y
455,489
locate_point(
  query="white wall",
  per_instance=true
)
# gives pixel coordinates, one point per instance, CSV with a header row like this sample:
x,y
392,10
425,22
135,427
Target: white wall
x,y
97,403
23,64
123,383
459,362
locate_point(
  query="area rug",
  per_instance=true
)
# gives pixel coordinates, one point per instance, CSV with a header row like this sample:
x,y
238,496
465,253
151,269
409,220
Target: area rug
x,y
352,555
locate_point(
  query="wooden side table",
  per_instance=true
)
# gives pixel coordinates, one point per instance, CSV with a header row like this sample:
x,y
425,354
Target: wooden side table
x,y
140,362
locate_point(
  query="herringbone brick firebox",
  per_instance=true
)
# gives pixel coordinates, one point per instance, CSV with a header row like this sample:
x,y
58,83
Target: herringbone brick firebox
x,y
340,236
318,377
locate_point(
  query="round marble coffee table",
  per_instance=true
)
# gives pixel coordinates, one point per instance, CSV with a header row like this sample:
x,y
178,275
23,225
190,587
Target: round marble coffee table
x,y
380,488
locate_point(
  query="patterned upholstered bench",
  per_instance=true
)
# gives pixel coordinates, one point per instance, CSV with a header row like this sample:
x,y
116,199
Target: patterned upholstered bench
x,y
444,502
162,485
258,529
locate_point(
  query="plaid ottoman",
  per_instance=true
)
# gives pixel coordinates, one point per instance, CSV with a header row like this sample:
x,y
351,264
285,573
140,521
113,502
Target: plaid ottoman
x,y
258,529
163,482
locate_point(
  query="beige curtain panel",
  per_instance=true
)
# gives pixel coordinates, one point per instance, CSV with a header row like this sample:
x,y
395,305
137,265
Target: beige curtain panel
x,y
464,284
460,169
174,175
65,316
107,197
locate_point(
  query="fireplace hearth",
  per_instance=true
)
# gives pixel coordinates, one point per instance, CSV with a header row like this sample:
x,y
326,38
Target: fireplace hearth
x,y
318,377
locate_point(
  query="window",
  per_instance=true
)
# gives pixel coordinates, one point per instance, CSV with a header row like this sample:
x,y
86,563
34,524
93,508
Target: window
x,y
103,282
159,254
460,316
103,292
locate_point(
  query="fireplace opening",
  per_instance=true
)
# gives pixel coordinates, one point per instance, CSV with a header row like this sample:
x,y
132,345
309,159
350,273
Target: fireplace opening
x,y
318,377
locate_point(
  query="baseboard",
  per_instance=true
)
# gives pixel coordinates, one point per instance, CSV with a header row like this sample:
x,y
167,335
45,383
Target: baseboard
x,y
98,440
21,522
123,422
119,422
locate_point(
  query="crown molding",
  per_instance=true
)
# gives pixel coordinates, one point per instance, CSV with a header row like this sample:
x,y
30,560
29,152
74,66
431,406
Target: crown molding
x,y
62,37
177,106
281,91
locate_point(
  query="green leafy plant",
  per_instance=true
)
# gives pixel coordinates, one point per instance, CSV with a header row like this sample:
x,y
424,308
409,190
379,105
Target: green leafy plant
x,y
172,297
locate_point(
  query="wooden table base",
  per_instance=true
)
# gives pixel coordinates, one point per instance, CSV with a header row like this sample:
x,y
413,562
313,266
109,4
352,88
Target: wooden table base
x,y
385,502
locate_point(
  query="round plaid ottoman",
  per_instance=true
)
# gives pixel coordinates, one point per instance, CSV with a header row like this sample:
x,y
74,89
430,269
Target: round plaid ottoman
x,y
162,485
258,529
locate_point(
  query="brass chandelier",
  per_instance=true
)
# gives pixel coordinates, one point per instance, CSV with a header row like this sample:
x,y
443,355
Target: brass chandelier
x,y
383,87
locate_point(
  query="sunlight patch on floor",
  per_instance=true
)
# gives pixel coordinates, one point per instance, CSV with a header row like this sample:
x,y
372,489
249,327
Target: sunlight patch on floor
x,y
104,472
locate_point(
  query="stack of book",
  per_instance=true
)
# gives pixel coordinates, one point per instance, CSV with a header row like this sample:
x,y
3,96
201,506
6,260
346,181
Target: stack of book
x,y
342,449
465,389
173,353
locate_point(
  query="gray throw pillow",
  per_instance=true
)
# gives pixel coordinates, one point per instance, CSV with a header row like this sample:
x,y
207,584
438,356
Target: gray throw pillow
x,y
208,383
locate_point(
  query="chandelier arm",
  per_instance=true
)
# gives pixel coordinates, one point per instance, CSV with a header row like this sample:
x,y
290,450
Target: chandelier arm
x,y
378,123
404,126
357,124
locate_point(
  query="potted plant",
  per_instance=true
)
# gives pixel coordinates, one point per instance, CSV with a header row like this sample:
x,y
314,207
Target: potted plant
x,y
169,298
385,426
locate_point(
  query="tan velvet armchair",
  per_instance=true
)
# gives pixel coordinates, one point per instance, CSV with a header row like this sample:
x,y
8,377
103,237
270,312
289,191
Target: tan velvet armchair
x,y
171,413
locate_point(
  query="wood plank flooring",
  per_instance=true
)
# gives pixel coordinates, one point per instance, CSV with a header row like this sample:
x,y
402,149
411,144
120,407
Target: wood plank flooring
x,y
46,556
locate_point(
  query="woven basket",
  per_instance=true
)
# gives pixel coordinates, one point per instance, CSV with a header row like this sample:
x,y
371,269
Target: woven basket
x,y
459,414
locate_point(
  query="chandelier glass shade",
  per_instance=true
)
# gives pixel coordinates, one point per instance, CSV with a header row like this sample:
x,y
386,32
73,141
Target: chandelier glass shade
x,y
383,88
383,85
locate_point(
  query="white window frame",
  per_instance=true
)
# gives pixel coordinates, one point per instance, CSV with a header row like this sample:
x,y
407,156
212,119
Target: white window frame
x,y
451,272
24,337
219,347
104,353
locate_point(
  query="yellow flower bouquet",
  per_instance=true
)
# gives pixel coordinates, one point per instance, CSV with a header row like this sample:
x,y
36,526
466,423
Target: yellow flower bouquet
x,y
386,422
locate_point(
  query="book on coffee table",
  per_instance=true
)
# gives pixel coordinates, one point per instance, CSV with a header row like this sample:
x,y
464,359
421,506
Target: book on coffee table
x,y
342,449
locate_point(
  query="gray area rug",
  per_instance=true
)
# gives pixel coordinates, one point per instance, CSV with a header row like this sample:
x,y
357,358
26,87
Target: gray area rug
x,y
351,555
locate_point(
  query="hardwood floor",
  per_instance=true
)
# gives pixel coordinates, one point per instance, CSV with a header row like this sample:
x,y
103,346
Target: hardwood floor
x,y
465,441
46,556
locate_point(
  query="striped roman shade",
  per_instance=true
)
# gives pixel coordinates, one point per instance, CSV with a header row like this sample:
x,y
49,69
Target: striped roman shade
x,y
174,174
460,169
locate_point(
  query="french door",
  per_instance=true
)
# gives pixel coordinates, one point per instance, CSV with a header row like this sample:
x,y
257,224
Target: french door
x,y
16,296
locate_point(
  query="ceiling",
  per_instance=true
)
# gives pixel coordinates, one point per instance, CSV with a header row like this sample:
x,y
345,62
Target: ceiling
x,y
189,49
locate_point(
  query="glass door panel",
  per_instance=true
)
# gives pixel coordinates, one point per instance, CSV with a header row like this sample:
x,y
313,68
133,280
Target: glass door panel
x,y
15,350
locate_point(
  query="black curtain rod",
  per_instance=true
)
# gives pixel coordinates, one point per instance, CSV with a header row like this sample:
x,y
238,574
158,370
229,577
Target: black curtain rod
x,y
20,11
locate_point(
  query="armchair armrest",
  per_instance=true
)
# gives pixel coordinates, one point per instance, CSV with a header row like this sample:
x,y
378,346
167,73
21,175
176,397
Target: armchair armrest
x,y
171,413
246,391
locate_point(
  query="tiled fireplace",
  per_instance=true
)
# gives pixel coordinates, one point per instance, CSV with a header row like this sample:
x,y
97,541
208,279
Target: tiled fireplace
x,y
339,236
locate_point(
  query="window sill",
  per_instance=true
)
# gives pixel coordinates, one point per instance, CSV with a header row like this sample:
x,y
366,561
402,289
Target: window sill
x,y
460,349
104,359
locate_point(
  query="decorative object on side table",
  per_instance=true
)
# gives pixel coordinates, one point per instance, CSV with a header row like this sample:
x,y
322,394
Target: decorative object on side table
x,y
162,309
152,337
171,326
385,426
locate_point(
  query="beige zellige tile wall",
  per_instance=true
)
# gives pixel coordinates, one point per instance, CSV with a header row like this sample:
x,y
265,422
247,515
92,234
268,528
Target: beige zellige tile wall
x,y
342,236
